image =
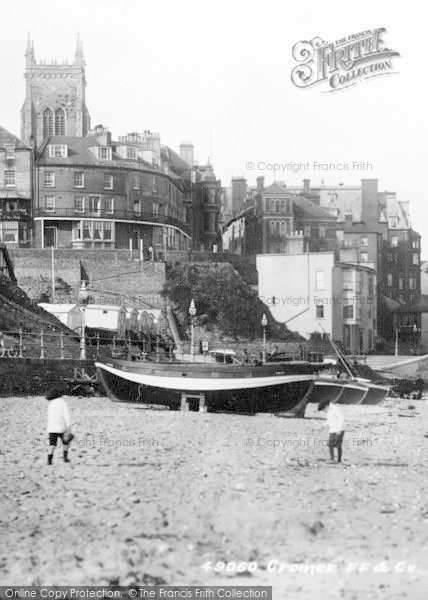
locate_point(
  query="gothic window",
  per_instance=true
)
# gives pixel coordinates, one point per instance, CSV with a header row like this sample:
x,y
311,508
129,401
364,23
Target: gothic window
x,y
47,122
59,121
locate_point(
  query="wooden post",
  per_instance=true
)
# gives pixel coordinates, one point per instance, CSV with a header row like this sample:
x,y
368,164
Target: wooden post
x,y
202,405
61,339
42,347
20,342
184,407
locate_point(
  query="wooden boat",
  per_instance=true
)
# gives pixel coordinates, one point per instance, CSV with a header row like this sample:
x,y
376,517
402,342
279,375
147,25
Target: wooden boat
x,y
270,387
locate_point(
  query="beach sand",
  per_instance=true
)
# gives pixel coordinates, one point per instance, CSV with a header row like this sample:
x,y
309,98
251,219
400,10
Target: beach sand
x,y
194,499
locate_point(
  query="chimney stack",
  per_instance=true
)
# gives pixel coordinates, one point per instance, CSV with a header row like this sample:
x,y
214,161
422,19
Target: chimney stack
x,y
186,153
306,186
260,184
369,202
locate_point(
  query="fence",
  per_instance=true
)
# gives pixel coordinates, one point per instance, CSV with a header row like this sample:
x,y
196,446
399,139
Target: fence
x,y
47,345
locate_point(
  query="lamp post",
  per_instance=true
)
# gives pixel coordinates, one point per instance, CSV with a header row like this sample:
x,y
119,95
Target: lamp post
x,y
83,301
192,313
264,325
156,324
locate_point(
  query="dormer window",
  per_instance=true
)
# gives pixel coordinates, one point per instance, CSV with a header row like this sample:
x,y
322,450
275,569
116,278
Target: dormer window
x,y
104,153
131,152
57,151
393,221
10,151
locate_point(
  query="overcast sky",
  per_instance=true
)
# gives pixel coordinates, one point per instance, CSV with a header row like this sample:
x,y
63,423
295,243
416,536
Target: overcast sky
x,y
218,74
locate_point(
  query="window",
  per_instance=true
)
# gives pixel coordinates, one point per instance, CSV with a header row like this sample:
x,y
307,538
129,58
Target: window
x,y
307,231
272,226
9,232
97,230
358,284
371,285
322,231
394,241
59,121
49,177
94,205
9,151
283,230
77,234
155,208
108,205
348,280
48,126
364,241
319,280
400,283
107,231
277,206
131,152
282,205
79,204
348,311
79,179
415,244
137,207
136,182
108,181
412,283
415,258
393,221
50,203
57,150
9,178
155,185
364,257
389,279
104,153
320,311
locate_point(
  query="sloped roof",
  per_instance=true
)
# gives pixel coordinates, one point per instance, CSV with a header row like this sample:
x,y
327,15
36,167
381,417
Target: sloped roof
x,y
307,208
8,138
275,189
78,150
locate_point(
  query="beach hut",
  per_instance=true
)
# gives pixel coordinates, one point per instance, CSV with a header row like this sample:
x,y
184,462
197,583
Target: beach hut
x,y
69,314
106,318
131,321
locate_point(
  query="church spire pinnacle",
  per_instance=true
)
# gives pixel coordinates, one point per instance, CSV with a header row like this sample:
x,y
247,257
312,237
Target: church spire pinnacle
x,y
79,51
29,51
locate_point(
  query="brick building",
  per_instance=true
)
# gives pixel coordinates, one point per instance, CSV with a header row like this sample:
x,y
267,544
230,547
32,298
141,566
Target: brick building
x,y
93,192
15,190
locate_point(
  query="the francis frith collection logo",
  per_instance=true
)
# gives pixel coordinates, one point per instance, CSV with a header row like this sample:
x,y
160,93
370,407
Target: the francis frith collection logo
x,y
342,63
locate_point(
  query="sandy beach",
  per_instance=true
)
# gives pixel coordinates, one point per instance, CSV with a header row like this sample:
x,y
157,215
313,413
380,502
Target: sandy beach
x,y
163,497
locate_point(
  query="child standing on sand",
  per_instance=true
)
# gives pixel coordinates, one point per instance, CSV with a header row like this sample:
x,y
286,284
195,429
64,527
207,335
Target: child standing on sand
x,y
336,427
58,423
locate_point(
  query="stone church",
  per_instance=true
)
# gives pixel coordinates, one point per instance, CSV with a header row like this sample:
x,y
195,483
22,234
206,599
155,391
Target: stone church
x,y
55,98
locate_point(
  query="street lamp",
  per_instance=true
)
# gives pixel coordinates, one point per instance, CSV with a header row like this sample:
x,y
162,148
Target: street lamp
x,y
156,324
83,301
192,313
264,325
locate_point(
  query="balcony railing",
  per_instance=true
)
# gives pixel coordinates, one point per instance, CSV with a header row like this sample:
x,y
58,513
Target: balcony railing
x,y
116,215
20,214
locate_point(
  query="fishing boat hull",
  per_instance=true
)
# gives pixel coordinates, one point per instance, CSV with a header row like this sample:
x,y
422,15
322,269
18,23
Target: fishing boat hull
x,y
234,388
350,392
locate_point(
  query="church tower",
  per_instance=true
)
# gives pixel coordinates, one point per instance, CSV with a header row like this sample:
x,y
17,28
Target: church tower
x,y
54,98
